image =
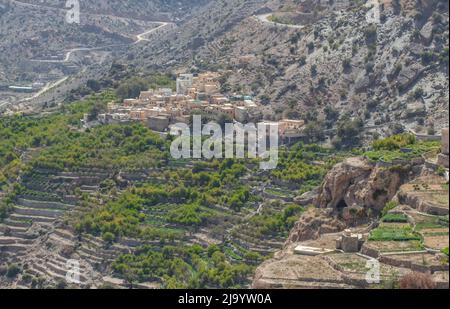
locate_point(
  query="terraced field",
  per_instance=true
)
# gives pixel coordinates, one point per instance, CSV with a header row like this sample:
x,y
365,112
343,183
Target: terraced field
x,y
41,236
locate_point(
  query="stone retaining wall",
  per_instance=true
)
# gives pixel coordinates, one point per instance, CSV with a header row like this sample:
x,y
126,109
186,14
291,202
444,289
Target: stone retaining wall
x,y
366,250
411,265
38,212
43,204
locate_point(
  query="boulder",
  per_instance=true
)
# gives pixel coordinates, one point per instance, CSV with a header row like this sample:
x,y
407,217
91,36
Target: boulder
x,y
408,75
416,49
307,198
415,109
362,83
426,33
314,223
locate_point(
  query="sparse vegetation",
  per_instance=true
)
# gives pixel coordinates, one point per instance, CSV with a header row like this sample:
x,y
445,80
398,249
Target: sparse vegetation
x,y
400,147
13,270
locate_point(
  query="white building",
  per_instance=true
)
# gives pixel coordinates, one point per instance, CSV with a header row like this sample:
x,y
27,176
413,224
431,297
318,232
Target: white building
x,y
184,82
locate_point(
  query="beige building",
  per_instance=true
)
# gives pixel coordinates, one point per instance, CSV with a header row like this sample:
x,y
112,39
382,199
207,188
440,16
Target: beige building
x,y
219,99
138,114
131,102
227,110
349,242
290,126
192,93
158,123
146,95
184,82
207,83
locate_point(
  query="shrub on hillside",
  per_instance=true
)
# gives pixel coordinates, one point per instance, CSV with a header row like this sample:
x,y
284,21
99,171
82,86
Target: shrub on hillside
x,y
395,142
13,271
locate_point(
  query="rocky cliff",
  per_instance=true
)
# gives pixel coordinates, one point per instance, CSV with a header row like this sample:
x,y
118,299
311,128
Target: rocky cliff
x,y
352,193
356,182
351,198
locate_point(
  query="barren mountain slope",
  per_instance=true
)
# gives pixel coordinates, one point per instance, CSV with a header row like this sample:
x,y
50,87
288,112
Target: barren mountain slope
x,y
394,71
387,72
154,9
39,29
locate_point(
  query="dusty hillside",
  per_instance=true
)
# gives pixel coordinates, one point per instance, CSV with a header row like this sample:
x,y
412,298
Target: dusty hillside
x,y
395,71
329,60
320,63
155,9
39,30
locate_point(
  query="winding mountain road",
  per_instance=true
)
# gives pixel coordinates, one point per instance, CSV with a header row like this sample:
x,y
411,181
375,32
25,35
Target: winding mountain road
x,y
265,19
139,38
142,37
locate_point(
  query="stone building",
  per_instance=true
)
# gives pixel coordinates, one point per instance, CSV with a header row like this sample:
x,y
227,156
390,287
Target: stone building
x,y
291,130
158,123
184,82
349,242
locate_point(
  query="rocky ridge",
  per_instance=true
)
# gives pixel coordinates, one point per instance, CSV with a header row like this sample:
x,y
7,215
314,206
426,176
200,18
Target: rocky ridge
x,y
353,194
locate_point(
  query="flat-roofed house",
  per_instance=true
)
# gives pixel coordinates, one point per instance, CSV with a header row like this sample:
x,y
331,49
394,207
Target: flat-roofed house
x,y
291,124
184,82
146,96
227,110
130,102
291,130
219,100
138,114
192,92
158,123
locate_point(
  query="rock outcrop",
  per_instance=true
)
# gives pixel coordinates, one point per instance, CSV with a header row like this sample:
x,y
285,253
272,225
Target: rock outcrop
x,y
314,223
427,33
352,192
353,188
357,182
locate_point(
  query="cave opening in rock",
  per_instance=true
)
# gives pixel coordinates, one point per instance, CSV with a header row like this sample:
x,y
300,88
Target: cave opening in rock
x,y
341,205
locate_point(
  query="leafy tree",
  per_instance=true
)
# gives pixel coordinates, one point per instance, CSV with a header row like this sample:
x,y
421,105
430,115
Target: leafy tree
x,y
349,131
132,88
